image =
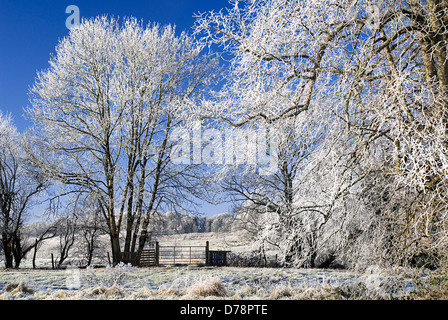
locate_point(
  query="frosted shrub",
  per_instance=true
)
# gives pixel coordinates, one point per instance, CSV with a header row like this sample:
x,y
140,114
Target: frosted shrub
x,y
113,276
382,126
251,259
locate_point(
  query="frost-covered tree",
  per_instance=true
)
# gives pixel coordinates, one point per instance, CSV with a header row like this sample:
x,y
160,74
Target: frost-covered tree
x,y
67,227
20,183
294,208
91,227
38,232
380,67
104,111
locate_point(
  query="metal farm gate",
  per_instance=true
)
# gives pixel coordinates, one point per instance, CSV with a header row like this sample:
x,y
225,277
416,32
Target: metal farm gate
x,y
182,255
217,258
175,254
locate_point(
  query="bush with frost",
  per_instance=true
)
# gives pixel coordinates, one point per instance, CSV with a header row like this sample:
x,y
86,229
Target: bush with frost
x,y
113,276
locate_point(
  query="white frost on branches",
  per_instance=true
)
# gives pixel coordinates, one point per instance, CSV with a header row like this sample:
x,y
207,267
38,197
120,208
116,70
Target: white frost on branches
x,y
378,72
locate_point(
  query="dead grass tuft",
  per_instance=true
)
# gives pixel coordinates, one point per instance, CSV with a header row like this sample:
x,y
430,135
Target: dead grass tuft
x,y
208,286
17,289
143,293
281,292
167,291
113,291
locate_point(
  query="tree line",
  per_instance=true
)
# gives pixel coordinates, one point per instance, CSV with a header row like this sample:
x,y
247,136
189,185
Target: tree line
x,y
79,236
351,95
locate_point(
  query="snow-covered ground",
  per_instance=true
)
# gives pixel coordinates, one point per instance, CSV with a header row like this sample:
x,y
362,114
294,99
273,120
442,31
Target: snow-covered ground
x,y
179,282
125,282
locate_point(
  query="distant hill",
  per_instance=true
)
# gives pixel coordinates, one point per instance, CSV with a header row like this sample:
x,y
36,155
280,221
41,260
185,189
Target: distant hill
x,y
176,223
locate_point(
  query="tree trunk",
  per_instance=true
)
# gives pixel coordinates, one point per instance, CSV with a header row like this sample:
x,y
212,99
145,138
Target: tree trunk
x,y
90,249
7,248
114,235
35,254
293,251
115,246
159,168
139,206
114,227
129,219
17,251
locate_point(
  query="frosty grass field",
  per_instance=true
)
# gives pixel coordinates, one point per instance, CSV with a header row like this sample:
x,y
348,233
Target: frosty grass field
x,y
191,282
201,282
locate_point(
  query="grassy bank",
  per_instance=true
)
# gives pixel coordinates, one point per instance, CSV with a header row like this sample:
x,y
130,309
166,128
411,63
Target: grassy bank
x,y
125,282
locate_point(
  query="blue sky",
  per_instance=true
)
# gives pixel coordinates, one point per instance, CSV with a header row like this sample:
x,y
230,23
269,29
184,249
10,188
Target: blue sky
x,y
30,30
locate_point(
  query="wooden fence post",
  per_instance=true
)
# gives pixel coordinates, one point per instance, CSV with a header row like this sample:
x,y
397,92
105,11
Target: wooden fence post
x,y
207,255
157,253
52,261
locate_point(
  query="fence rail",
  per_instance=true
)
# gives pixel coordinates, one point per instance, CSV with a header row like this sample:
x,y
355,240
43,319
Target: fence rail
x,y
148,258
176,255
182,254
